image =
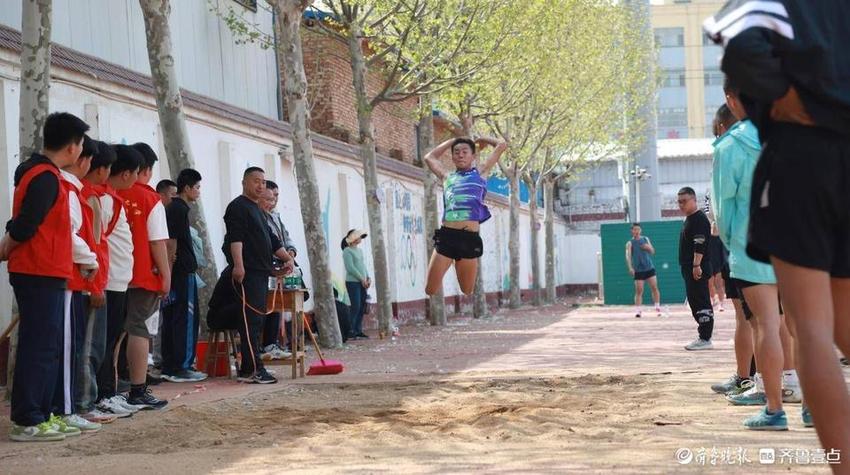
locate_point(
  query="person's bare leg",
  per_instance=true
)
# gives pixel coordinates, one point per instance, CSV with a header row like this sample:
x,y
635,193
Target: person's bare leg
x,y
807,294
656,294
787,345
712,289
437,269
764,303
137,358
743,341
638,293
466,270
841,307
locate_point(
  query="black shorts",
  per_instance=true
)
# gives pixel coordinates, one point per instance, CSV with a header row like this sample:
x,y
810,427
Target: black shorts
x,y
458,244
740,285
645,274
729,283
798,211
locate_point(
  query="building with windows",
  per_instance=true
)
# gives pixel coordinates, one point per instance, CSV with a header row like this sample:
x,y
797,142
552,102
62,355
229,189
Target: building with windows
x,y
689,65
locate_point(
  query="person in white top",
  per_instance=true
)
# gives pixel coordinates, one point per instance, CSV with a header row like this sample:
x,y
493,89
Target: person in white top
x,y
122,176
75,316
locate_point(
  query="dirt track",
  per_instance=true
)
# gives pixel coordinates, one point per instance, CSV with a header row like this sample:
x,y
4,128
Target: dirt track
x,y
557,390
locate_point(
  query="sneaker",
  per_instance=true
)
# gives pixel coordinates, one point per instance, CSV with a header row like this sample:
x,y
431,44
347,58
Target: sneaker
x,y
59,425
260,377
184,376
766,421
844,362
153,379
733,382
743,386
81,423
121,400
807,417
43,432
273,352
146,400
363,336
750,397
637,314
99,416
109,406
658,310
699,345
792,395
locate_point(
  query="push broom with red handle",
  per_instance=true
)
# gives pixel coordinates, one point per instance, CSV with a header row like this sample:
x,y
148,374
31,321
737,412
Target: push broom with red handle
x,y
323,366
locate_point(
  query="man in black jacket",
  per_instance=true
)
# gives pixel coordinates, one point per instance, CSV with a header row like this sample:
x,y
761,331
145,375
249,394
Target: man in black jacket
x,y
249,246
696,267
791,61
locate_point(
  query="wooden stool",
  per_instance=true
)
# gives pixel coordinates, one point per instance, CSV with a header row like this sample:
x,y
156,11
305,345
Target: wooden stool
x,y
214,353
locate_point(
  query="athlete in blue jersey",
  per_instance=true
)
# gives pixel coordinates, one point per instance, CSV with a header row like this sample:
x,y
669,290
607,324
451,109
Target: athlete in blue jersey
x,y
457,241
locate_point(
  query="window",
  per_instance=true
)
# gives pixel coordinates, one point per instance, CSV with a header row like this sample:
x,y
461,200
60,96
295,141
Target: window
x,y
713,77
670,37
673,78
673,117
249,4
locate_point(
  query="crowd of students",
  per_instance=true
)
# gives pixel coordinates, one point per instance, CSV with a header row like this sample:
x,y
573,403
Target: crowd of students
x,y
104,271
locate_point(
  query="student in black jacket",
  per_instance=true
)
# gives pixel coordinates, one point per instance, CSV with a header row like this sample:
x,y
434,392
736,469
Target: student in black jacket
x,y
180,322
792,63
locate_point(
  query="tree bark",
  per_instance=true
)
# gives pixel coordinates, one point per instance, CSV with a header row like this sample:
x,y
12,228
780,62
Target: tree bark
x,y
535,239
290,60
549,219
35,74
436,302
515,300
370,174
169,104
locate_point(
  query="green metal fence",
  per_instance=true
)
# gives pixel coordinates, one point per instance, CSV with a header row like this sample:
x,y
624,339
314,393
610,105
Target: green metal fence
x,y
619,285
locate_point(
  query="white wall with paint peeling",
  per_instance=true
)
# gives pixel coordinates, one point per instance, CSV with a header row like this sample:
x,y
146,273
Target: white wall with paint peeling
x,y
223,149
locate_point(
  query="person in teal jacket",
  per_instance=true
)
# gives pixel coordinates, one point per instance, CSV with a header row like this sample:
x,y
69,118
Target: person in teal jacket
x,y
736,154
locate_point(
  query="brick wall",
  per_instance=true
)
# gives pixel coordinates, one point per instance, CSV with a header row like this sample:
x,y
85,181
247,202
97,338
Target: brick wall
x,y
331,94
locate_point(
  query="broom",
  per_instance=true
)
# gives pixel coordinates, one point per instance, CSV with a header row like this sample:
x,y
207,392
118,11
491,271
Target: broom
x,y
324,366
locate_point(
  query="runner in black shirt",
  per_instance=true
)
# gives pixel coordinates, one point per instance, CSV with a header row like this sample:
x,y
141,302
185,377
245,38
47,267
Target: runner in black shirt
x,y
249,246
696,267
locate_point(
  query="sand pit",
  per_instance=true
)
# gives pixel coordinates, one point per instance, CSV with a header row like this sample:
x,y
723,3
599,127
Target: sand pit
x,y
532,391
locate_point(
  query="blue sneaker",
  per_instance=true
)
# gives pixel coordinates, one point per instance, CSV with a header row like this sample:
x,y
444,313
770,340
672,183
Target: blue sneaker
x,y
807,417
751,397
766,421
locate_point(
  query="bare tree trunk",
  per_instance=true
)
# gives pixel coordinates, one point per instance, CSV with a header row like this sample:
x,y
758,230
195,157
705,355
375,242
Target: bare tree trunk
x,y
549,219
370,175
436,302
513,241
535,239
291,64
35,74
169,104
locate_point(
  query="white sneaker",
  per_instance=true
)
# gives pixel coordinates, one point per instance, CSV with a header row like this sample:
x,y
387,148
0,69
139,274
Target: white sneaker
x,y
75,420
274,352
792,395
100,417
122,401
699,345
109,406
658,310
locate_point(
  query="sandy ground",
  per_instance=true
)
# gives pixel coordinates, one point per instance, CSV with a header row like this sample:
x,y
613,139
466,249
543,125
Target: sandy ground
x,y
555,390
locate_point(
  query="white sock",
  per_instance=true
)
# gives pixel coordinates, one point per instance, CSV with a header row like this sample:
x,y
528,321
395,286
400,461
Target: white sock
x,y
759,383
789,378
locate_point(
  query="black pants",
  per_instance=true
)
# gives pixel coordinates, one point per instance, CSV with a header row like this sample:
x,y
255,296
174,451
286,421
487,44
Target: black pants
x,y
344,319
180,325
39,353
699,300
251,323
116,304
271,328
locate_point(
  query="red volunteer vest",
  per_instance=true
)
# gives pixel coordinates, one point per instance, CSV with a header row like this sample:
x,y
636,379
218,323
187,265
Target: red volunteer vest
x,y
100,244
48,252
139,201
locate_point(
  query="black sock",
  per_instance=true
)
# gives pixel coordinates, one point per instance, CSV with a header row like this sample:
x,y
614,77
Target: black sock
x,y
137,389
